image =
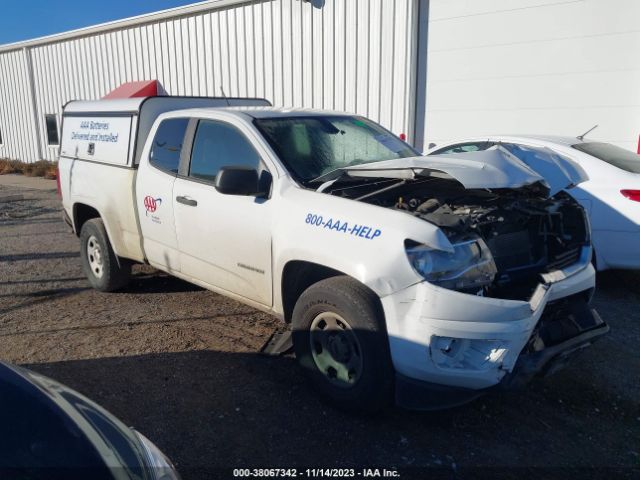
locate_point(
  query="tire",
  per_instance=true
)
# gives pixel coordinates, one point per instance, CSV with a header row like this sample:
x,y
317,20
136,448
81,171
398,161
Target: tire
x,y
352,375
99,262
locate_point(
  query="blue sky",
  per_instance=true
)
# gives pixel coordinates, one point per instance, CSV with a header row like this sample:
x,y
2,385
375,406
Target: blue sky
x,y
27,19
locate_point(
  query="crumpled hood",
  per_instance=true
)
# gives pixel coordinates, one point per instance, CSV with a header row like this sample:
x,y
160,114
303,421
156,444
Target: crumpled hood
x,y
491,168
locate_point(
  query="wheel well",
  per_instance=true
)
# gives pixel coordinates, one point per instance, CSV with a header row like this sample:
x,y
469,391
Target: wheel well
x,y
82,213
297,276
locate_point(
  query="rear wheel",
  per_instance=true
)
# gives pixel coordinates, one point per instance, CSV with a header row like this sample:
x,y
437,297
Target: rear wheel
x,y
100,264
340,340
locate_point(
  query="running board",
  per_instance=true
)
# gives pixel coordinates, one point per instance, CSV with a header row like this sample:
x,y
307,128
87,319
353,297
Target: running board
x,y
279,343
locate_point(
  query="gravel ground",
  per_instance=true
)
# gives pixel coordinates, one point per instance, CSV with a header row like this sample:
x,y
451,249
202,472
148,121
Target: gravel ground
x,y
181,365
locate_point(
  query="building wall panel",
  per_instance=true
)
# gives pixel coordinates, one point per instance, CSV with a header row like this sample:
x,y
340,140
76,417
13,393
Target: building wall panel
x,y
16,108
534,66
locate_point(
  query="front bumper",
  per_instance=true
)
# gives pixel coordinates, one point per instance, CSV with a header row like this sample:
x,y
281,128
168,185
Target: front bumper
x,y
468,342
420,395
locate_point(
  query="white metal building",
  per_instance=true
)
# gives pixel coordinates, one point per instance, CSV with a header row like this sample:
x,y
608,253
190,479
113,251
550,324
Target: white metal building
x,y
432,69
534,66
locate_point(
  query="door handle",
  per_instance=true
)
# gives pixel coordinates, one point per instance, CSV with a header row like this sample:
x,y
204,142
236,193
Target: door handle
x,y
186,201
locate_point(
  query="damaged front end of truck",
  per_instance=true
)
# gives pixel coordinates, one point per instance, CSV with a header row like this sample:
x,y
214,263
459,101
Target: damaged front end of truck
x,y
509,298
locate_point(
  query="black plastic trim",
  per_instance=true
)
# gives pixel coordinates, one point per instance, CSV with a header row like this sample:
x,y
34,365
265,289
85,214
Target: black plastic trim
x,y
547,361
67,219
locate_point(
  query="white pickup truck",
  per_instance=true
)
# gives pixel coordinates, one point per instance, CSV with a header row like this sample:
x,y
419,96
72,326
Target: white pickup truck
x,y
428,280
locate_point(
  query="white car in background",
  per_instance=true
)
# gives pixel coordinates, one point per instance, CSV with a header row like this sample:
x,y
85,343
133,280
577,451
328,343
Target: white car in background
x,y
611,196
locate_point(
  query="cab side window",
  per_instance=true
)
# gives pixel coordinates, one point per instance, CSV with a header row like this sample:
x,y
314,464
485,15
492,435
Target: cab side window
x,y
464,148
217,145
167,144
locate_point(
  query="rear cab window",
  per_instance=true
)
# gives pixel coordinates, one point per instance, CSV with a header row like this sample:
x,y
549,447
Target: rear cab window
x,y
167,144
611,154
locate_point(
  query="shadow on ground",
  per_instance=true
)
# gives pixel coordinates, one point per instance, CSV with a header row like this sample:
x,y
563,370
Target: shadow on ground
x,y
214,410
157,282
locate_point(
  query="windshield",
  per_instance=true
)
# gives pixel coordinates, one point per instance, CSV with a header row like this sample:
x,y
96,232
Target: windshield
x,y
616,156
312,146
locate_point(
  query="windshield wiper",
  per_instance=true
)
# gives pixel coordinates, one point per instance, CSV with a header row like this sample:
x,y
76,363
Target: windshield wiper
x,y
332,173
327,176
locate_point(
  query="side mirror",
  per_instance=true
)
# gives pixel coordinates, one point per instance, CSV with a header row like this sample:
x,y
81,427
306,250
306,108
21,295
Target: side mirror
x,y
238,181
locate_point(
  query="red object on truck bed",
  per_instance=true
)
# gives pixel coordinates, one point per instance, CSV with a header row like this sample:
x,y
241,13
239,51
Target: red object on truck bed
x,y
144,88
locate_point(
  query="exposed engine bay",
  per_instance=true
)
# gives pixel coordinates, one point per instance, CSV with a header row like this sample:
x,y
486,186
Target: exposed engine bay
x,y
527,233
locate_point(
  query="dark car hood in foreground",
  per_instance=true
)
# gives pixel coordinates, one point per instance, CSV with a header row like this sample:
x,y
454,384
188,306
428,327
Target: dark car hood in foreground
x,y
50,431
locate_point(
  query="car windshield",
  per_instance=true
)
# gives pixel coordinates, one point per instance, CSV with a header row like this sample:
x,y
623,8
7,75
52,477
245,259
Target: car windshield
x,y
311,146
616,156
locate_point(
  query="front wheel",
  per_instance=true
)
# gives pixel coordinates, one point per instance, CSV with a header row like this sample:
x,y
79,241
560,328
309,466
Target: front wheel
x,y
100,264
340,340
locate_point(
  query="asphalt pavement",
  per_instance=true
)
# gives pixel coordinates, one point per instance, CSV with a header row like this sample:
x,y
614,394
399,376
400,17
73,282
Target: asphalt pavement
x,y
181,364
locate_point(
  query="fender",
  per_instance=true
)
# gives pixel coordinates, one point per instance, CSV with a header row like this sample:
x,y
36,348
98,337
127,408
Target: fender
x,y
370,239
114,238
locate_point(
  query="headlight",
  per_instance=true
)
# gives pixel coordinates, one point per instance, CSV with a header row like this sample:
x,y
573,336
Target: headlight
x,y
469,266
160,466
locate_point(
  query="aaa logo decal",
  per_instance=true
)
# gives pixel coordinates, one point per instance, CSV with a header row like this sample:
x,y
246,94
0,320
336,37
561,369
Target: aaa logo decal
x,y
151,204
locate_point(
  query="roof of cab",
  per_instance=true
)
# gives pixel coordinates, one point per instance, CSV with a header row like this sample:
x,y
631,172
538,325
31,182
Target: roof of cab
x,y
274,112
134,104
260,112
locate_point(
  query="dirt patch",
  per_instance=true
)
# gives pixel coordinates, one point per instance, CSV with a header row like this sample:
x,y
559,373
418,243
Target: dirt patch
x,y
180,364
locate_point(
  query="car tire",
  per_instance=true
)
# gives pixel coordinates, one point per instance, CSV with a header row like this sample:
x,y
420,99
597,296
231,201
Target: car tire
x,y
341,342
100,264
